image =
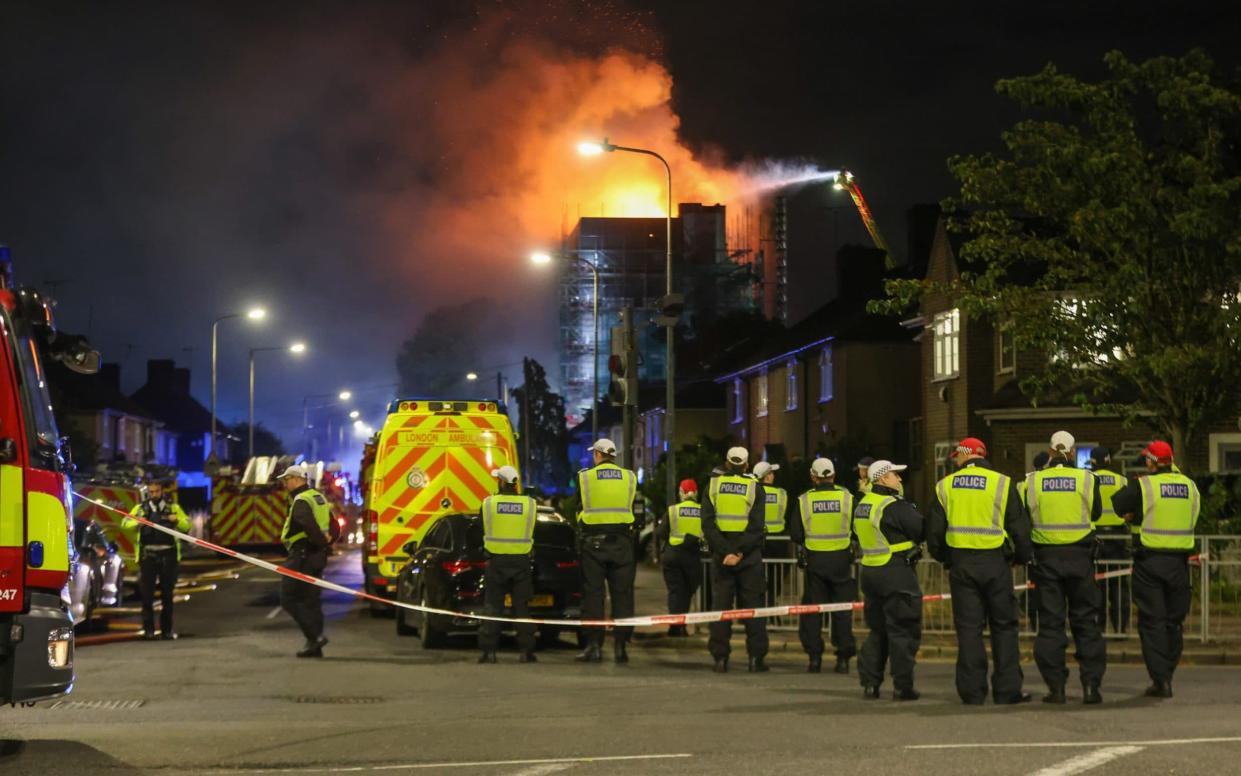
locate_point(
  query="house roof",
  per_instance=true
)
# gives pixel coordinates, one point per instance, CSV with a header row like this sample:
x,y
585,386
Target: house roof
x,y
166,397
92,393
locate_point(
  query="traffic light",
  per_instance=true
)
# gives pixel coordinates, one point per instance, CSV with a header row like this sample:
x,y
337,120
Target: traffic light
x,y
623,365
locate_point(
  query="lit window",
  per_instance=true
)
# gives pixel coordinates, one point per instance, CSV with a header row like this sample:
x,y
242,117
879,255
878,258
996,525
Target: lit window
x,y
1006,350
947,341
942,465
826,375
738,392
790,385
762,394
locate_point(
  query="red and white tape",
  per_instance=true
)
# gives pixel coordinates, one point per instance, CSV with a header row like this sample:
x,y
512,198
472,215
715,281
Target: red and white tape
x,y
691,618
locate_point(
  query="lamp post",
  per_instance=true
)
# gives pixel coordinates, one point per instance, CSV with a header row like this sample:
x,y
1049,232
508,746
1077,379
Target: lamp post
x,y
254,314
344,395
546,258
592,149
297,348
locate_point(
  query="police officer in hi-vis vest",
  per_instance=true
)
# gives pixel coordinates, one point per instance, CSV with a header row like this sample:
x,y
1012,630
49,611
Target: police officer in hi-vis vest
x,y
305,536
975,510
682,556
888,530
1063,502
1113,535
1165,505
605,525
776,504
508,537
732,522
158,556
822,527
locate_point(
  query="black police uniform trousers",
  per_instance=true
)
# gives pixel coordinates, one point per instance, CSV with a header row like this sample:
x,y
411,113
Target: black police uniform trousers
x,y
1161,588
892,609
1064,575
828,580
1117,598
682,566
981,584
607,559
301,599
507,575
740,587
157,568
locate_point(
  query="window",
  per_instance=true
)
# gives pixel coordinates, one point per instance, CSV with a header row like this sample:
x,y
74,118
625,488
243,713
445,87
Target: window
x,y
790,385
761,382
738,393
1225,452
942,465
32,387
1006,350
946,329
826,375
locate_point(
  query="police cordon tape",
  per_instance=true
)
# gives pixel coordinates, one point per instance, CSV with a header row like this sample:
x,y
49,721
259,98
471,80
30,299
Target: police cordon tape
x,y
691,618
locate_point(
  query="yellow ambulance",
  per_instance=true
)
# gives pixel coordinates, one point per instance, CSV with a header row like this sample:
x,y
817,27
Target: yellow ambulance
x,y
433,457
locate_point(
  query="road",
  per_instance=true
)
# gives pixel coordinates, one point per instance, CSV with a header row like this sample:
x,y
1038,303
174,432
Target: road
x,y
230,698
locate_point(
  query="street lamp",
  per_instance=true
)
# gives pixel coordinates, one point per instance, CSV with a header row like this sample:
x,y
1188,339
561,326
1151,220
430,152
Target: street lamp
x,y
593,149
297,348
253,314
546,258
471,376
309,445
345,395
354,414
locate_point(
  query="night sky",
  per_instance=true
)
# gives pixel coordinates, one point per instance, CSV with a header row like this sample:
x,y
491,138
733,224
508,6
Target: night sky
x,y
351,165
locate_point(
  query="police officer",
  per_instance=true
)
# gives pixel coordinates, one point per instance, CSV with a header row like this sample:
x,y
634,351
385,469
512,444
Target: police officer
x,y
605,523
1029,596
733,516
1113,533
1165,503
863,474
305,536
822,528
775,507
974,509
158,556
889,530
1063,502
682,558
508,537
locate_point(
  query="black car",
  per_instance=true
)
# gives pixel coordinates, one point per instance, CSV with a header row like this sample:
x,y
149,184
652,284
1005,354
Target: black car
x,y
445,571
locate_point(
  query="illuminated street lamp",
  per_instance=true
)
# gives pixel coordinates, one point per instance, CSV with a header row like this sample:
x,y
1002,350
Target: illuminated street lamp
x,y
345,395
542,257
354,414
297,348
593,149
471,376
254,314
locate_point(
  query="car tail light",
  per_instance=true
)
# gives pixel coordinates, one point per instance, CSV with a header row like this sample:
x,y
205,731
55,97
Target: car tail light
x,y
469,594
455,567
566,564
482,407
372,531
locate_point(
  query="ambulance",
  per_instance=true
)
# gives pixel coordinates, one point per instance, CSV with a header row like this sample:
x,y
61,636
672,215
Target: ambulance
x,y
36,524
433,457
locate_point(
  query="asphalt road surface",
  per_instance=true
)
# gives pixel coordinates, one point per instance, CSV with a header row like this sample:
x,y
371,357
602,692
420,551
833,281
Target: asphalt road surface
x,y
230,698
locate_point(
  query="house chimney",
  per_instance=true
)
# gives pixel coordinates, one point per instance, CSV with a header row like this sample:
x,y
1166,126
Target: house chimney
x,y
159,371
181,381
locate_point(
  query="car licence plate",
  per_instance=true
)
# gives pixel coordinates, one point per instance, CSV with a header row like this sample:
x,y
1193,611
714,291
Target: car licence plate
x,y
535,600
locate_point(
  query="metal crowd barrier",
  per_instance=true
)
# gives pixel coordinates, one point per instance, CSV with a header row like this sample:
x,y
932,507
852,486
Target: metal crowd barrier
x,y
1215,612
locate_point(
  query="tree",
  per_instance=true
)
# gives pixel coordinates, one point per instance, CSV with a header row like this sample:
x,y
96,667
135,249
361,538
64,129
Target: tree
x,y
541,415
1108,238
451,341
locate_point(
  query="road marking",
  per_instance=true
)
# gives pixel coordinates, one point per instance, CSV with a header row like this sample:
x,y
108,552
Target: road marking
x,y
540,770
474,764
1075,744
1088,761
274,613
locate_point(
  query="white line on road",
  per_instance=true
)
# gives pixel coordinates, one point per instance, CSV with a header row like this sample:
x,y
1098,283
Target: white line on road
x,y
473,764
540,770
1088,761
274,613
1074,744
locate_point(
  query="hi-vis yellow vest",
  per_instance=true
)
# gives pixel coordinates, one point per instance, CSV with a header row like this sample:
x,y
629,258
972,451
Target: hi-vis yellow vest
x,y
974,500
508,524
1109,483
1170,506
684,519
318,506
1060,499
732,496
607,494
777,504
876,551
825,516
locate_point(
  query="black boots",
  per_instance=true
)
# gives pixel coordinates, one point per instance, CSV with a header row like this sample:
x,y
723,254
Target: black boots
x,y
1091,694
313,648
758,665
904,695
870,692
1159,688
487,657
678,630
842,665
815,665
592,654
1055,695
721,665
619,653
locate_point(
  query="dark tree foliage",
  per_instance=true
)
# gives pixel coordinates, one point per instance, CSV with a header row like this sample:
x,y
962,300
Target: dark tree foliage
x,y
541,415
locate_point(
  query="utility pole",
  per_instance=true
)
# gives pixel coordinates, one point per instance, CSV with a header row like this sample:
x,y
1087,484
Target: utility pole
x,y
629,408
